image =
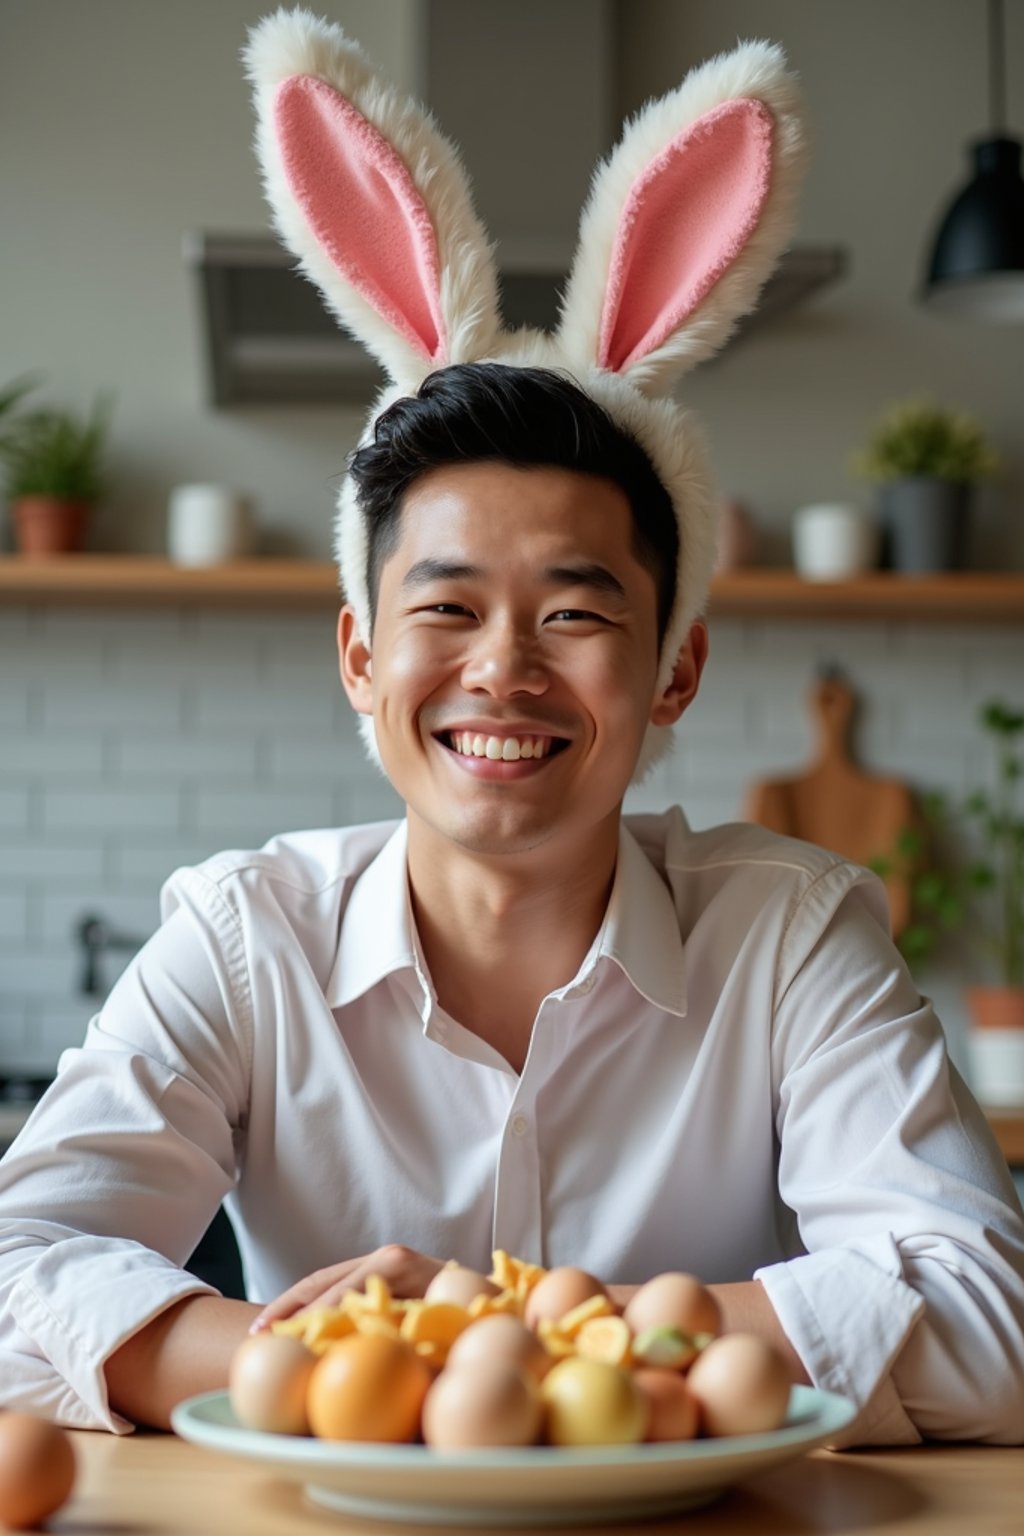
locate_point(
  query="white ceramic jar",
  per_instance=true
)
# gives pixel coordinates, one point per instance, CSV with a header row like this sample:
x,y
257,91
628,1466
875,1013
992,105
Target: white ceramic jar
x,y
207,524
832,541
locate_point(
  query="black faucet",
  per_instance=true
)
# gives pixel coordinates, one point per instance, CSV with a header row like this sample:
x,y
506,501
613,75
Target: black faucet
x,y
95,936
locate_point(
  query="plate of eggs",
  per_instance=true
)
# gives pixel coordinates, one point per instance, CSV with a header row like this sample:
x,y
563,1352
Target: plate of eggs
x,y
520,1397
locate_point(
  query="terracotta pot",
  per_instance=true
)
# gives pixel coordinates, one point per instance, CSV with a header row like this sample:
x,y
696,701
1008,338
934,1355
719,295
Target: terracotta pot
x,y
49,525
996,1007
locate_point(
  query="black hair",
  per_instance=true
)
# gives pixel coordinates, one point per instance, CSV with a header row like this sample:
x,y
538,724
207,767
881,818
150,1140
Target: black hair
x,y
527,417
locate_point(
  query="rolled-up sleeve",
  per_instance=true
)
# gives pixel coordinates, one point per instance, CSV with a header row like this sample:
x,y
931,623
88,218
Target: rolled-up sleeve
x,y
910,1297
122,1165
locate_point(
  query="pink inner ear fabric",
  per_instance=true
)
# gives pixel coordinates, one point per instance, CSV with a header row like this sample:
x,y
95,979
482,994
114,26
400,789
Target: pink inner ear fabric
x,y
363,208
686,219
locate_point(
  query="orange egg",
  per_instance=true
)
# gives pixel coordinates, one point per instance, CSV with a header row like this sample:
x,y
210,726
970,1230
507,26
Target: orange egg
x,y
37,1469
741,1384
267,1383
459,1286
558,1292
674,1300
674,1412
501,1336
367,1387
488,1403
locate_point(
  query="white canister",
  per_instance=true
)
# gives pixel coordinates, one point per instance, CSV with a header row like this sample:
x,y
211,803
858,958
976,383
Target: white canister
x,y
207,524
995,1059
832,541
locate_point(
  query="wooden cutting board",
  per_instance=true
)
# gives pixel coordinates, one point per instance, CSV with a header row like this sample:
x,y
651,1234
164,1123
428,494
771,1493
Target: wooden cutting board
x,y
836,804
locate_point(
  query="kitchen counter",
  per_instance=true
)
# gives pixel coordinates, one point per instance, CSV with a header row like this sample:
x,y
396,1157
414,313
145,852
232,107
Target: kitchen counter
x,y
157,1485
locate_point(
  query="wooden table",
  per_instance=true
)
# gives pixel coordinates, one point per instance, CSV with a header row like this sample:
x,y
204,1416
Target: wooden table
x,y
157,1485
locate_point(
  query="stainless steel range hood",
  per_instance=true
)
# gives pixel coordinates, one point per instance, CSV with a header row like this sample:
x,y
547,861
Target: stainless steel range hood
x,y
551,65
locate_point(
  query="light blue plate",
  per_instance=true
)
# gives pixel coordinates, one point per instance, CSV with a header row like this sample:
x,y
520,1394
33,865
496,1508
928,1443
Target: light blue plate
x,y
538,1485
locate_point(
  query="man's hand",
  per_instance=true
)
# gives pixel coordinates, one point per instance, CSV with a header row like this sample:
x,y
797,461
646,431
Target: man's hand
x,y
407,1273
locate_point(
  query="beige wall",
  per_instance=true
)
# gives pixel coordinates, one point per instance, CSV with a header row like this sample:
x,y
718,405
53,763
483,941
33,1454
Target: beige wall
x,y
124,123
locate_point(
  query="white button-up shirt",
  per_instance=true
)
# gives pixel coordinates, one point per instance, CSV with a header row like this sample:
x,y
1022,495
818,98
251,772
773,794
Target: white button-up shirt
x,y
741,1080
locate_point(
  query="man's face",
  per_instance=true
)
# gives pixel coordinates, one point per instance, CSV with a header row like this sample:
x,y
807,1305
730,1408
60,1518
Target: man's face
x,y
514,656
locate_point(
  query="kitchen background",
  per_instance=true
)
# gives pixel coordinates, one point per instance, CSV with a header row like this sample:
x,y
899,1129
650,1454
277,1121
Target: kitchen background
x,y
137,739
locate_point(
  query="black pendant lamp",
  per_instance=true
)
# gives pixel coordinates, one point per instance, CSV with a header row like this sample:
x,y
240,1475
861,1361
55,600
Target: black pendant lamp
x,y
977,264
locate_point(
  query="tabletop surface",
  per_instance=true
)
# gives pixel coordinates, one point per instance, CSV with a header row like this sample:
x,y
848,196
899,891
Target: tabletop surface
x,y
157,1485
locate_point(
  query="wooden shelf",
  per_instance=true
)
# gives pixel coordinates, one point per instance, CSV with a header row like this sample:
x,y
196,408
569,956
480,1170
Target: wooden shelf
x,y
1008,1129
140,580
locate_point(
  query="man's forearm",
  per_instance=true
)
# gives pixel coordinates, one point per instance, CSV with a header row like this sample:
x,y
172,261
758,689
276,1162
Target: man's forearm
x,y
745,1309
184,1350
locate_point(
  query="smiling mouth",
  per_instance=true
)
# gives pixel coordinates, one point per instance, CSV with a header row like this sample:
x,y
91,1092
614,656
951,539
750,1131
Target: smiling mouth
x,y
504,749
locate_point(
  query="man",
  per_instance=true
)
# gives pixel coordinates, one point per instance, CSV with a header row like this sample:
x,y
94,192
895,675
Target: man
x,y
515,1020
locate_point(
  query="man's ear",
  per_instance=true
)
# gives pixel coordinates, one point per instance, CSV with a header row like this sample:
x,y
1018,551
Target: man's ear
x,y
670,702
354,662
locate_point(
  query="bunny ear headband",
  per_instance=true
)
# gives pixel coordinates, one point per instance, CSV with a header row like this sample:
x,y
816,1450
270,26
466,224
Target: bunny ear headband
x,y
684,222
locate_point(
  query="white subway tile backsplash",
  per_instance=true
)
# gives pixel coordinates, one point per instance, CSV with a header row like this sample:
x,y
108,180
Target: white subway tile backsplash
x,y
51,754
13,916
110,810
132,743
251,817
14,805
26,862
165,756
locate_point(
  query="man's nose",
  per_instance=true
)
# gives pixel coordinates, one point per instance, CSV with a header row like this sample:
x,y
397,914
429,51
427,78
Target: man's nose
x,y
504,660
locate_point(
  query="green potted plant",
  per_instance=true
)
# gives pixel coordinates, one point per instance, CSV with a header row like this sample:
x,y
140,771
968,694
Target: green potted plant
x,y
983,895
53,475
927,460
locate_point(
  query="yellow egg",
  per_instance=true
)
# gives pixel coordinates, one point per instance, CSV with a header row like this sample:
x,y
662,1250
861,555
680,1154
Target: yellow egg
x,y
368,1387
459,1286
488,1403
267,1383
559,1292
742,1385
591,1403
674,1300
37,1469
501,1337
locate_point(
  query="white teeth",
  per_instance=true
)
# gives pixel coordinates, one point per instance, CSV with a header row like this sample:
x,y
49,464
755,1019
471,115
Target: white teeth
x,y
508,749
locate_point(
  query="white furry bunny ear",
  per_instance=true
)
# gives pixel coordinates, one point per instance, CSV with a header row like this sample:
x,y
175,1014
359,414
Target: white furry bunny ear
x,y
371,198
685,221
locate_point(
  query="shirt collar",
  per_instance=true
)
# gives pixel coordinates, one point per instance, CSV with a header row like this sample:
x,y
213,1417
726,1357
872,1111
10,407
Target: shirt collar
x,y
641,930
376,926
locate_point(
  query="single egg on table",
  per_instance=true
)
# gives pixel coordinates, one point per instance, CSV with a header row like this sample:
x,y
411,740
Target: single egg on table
x,y
37,1469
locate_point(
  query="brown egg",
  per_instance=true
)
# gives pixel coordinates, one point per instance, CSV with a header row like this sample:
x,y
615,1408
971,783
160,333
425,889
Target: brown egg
x,y
591,1403
674,1301
368,1387
558,1292
37,1469
267,1383
488,1403
742,1385
501,1336
459,1286
674,1412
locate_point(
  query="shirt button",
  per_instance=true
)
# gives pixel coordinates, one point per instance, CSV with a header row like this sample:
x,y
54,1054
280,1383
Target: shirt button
x,y
520,1125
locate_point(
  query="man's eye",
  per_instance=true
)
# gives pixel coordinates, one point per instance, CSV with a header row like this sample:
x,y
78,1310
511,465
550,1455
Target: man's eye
x,y
446,609
564,614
